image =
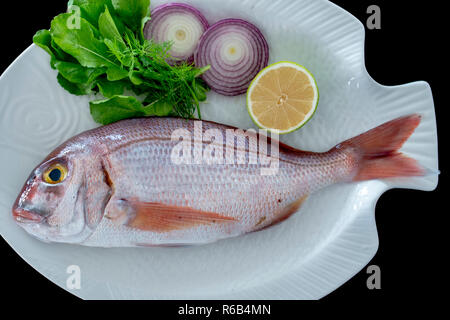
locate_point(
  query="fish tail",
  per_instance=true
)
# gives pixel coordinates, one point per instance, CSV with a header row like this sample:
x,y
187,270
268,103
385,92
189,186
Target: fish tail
x,y
379,153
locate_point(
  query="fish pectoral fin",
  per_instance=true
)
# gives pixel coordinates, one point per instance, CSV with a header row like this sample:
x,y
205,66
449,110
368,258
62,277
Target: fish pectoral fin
x,y
158,217
288,211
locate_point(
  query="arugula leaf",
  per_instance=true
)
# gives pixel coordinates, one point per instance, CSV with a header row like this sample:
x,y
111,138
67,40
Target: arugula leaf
x,y
108,28
90,9
120,51
60,54
135,78
115,43
81,43
116,108
75,88
111,88
116,73
200,90
134,13
160,109
43,39
78,74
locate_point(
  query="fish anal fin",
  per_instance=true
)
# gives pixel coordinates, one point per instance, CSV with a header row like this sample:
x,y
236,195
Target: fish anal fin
x,y
158,217
288,211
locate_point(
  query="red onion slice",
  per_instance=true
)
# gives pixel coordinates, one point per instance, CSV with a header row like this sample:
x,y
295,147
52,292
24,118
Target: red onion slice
x,y
179,23
236,50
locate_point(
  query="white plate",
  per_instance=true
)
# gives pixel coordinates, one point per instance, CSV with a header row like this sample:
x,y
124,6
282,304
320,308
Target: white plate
x,y
313,253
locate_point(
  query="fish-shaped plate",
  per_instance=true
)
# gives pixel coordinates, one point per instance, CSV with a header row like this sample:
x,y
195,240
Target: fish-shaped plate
x,y
318,249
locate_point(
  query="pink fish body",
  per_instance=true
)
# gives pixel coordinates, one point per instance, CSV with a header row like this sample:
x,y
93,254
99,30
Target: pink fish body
x,y
119,186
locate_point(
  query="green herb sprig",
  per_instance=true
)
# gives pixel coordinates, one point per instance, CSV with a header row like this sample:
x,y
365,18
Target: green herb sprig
x,y
98,46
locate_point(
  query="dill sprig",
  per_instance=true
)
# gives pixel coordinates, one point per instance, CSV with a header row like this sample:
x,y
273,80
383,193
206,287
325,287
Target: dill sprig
x,y
164,81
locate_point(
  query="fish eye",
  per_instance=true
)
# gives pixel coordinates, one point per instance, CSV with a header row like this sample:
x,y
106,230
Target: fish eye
x,y
55,174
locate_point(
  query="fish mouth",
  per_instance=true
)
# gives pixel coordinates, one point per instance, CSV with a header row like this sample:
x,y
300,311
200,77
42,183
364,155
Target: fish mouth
x,y
25,216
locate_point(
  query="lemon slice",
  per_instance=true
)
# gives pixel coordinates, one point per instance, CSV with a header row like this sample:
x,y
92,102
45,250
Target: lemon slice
x,y
282,97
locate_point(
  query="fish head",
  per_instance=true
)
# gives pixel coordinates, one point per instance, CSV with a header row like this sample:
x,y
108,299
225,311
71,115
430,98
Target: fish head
x,y
52,205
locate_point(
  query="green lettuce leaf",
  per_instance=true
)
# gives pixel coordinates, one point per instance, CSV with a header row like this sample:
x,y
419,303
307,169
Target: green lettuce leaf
x,y
116,73
111,88
108,28
43,39
90,9
81,43
117,108
160,109
75,88
60,54
78,74
119,50
134,13
200,89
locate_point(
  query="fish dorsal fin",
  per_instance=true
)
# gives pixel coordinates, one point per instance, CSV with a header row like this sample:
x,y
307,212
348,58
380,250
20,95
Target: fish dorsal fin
x,y
287,212
158,217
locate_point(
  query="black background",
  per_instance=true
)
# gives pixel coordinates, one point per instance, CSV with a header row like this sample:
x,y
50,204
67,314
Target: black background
x,y
409,47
